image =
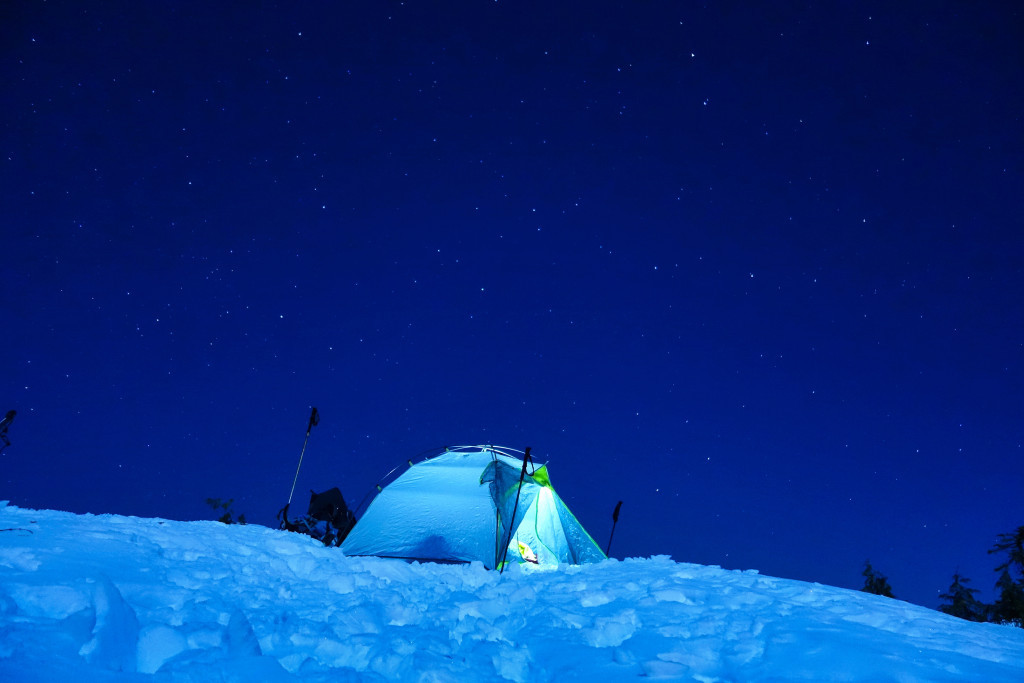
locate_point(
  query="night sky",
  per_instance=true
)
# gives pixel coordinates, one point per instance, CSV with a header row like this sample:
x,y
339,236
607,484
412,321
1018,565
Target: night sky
x,y
755,269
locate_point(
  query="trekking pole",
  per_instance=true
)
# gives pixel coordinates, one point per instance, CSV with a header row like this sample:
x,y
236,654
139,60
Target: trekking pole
x,y
615,520
314,419
511,523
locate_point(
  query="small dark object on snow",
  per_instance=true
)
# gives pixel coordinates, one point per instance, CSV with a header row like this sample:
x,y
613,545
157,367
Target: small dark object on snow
x,y
329,508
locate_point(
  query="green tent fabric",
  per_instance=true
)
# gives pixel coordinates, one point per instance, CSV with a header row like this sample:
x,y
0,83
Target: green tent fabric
x,y
457,507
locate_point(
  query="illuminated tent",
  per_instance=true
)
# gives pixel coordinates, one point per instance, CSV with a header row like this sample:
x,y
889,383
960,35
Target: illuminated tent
x,y
458,507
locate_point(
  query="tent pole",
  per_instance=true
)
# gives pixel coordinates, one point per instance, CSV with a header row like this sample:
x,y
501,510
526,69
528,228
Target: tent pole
x,y
615,520
511,522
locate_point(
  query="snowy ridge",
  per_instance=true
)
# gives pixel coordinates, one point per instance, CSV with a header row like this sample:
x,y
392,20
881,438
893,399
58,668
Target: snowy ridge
x,y
95,598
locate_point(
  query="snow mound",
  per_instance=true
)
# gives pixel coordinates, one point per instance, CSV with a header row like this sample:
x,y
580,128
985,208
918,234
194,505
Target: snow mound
x,y
118,598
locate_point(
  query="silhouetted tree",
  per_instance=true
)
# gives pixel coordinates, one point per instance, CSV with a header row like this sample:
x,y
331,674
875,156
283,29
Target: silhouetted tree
x,y
1009,607
1013,545
874,582
961,601
228,517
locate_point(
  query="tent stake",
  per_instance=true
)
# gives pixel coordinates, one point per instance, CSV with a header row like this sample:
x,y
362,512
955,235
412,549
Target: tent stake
x,y
615,520
511,522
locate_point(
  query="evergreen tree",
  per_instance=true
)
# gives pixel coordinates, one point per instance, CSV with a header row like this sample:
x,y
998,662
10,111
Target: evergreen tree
x,y
1013,545
961,601
1009,608
874,582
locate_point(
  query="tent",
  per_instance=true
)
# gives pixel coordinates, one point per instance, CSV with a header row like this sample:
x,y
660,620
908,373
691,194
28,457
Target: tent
x,y
458,507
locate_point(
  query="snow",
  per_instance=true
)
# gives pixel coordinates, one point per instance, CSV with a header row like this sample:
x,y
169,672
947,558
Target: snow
x,y
110,598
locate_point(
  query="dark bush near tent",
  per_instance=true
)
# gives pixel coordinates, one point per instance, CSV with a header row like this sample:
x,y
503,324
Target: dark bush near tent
x,y
328,518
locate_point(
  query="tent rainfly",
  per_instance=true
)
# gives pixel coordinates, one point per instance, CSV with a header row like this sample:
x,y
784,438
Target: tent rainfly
x,y
458,507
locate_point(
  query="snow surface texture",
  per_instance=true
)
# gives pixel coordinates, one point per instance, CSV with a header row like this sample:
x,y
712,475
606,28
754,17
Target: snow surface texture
x,y
98,598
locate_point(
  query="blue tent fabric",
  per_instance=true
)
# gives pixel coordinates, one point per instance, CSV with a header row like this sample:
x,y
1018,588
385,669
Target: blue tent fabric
x,y
457,507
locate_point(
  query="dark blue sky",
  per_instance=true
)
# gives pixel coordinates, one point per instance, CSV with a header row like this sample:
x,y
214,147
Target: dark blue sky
x,y
756,272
